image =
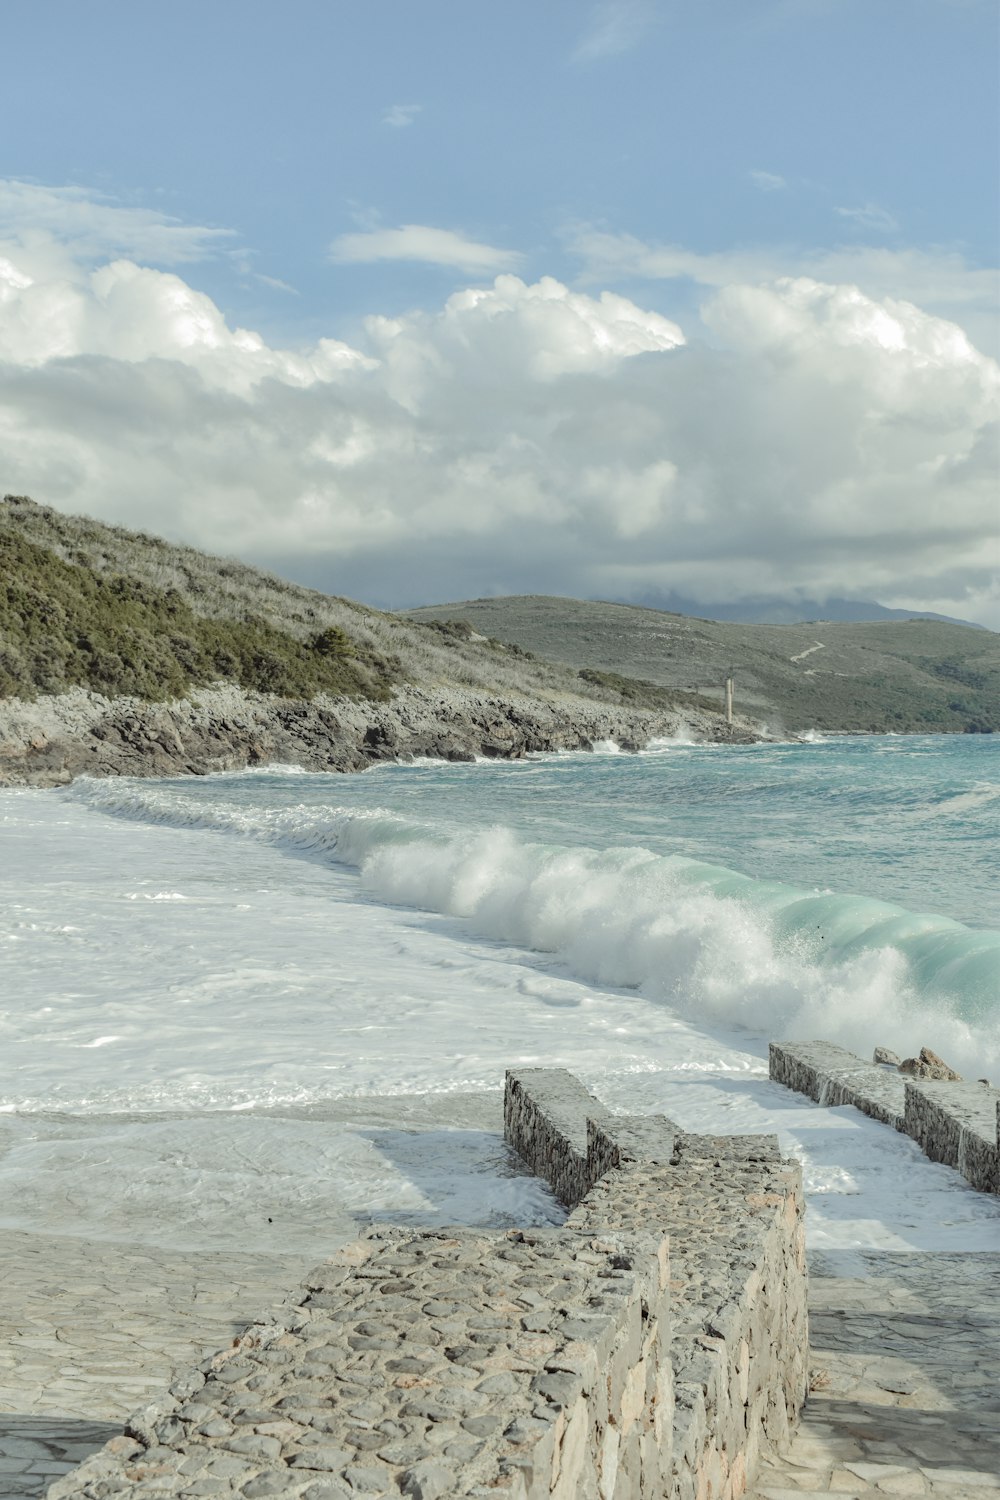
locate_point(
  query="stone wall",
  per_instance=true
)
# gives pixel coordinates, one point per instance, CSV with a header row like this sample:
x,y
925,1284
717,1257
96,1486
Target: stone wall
x,y
429,1364
654,1346
831,1075
733,1211
739,1325
545,1120
953,1122
957,1123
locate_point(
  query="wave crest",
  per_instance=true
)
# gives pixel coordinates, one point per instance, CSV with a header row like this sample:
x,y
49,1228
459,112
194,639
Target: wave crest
x,y
707,940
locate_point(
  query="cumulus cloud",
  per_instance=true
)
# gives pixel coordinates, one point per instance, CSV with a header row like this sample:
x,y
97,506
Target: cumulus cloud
x,y
940,280
422,242
521,437
133,314
513,332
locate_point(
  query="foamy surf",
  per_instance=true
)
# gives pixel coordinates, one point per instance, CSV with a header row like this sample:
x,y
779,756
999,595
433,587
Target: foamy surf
x,y
267,1047
709,941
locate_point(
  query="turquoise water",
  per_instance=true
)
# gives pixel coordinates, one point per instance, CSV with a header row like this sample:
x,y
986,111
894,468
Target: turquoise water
x,y
842,883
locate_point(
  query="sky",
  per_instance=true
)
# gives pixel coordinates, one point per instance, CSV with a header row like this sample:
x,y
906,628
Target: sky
x,y
416,302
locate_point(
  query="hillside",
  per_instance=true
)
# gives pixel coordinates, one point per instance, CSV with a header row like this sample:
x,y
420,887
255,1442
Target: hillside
x,y
883,676
123,654
84,604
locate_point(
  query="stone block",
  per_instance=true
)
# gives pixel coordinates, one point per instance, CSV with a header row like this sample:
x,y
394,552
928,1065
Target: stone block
x,y
545,1120
607,1463
727,1147
832,1076
957,1123
615,1139
570,1477
807,1066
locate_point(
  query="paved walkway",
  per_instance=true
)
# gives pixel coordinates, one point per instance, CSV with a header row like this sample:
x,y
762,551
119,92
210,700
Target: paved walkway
x,y
89,1332
905,1358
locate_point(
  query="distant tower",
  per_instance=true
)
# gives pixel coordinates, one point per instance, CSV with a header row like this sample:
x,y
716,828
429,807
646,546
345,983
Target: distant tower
x,y
729,696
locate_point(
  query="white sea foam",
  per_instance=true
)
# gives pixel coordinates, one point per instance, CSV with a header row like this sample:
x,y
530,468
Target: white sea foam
x,y
664,744
254,1020
964,802
711,942
275,768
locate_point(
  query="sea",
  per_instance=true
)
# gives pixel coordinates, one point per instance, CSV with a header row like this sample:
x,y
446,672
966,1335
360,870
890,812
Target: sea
x,y
257,1010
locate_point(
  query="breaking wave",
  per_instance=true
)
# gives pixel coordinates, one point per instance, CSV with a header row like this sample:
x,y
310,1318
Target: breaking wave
x,y
711,942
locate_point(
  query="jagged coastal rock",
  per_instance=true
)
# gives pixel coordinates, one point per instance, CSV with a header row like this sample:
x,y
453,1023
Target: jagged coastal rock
x,y
926,1065
50,741
929,1065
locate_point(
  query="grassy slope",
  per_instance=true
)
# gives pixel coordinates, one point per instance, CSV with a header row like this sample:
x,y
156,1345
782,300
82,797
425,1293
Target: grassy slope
x,y
913,675
63,625
83,604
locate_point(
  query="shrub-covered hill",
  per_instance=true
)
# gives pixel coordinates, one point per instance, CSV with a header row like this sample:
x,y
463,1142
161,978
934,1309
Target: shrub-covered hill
x,y
902,676
123,614
62,625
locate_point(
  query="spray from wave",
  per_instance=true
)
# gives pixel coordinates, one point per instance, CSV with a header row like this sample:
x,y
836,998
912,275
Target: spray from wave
x,y
703,938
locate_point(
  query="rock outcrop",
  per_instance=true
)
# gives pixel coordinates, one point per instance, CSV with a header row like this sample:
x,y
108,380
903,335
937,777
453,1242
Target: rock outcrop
x,y
52,740
885,1057
929,1065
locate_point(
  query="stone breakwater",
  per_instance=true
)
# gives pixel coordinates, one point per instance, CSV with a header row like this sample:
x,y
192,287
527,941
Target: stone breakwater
x,y
732,1208
53,740
952,1121
654,1346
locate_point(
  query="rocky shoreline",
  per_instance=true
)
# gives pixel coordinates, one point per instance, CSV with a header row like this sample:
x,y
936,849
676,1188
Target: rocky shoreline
x,y
52,740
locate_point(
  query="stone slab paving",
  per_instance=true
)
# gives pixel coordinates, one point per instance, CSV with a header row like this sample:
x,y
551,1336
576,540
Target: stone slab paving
x,y
430,1364
90,1331
905,1365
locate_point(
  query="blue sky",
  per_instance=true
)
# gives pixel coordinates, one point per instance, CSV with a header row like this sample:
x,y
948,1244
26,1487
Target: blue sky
x,y
343,172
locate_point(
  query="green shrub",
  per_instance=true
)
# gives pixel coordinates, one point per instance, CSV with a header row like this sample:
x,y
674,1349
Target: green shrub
x,y
637,692
64,625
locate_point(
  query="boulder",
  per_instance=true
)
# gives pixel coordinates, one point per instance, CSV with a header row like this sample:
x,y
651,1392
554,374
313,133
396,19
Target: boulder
x,y
885,1055
929,1065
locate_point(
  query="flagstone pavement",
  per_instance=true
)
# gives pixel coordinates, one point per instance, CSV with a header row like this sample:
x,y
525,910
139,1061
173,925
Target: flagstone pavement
x,y
905,1360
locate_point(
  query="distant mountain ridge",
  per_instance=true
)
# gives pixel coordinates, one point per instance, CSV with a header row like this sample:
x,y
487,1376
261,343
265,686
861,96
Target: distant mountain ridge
x,y
777,610
904,676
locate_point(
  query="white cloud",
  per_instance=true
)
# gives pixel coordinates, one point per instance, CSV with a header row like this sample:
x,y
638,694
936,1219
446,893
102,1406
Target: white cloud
x,y
512,332
613,27
768,182
870,217
421,242
401,115
611,255
132,314
938,279
523,437
94,225
275,283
